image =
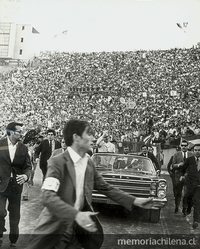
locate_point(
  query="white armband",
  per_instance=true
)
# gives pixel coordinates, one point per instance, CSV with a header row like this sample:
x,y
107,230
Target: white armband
x,y
51,183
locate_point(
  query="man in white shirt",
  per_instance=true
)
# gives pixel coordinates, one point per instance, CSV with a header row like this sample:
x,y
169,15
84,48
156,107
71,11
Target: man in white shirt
x,y
104,144
67,195
15,170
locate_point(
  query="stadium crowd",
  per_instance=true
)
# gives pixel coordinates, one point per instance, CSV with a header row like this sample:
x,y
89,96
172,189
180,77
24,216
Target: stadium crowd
x,y
132,93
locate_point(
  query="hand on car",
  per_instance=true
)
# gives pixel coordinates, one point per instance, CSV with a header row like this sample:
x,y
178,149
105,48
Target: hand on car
x,y
148,203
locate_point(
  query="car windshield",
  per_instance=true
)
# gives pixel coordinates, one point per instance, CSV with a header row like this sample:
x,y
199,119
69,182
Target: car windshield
x,y
126,163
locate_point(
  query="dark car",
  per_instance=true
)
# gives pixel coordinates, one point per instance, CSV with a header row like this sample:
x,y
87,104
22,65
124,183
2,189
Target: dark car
x,y
133,174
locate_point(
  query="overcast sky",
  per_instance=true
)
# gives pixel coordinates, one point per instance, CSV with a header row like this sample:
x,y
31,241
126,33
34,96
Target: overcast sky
x,y
112,25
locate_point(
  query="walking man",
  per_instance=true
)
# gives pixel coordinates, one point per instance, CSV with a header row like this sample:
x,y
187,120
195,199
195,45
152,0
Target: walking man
x,y
45,149
15,169
177,163
191,171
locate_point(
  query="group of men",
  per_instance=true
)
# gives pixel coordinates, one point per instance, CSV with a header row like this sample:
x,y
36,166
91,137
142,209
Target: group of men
x,y
68,182
184,169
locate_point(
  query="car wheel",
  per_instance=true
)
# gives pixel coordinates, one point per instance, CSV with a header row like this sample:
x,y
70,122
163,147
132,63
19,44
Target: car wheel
x,y
154,215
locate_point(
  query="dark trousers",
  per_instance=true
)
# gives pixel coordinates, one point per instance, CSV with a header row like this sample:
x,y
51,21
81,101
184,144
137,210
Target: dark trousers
x,y
173,183
43,167
13,195
188,199
196,202
178,187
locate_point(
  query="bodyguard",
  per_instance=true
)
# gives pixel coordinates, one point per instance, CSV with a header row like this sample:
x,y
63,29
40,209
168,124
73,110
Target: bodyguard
x,y
15,169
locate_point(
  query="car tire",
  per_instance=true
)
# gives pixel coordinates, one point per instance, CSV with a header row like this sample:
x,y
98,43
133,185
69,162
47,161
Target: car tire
x,y
154,216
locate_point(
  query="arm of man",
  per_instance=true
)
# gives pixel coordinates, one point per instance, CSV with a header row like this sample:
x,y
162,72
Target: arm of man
x,y
175,162
38,150
121,197
169,165
155,161
100,139
26,170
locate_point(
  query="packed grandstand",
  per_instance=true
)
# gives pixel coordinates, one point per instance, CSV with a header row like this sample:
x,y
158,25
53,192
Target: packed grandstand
x,y
130,93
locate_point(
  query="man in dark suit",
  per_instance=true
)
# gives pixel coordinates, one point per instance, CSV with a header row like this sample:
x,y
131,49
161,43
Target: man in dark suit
x,y
67,195
171,171
150,155
178,160
191,172
15,169
45,149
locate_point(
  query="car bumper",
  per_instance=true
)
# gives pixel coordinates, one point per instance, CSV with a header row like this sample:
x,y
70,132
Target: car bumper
x,y
100,198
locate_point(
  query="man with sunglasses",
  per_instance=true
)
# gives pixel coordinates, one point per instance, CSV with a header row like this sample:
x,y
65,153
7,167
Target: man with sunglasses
x,y
15,169
177,163
191,172
45,149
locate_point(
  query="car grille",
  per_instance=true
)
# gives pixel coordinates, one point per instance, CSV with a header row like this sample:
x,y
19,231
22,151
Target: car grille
x,y
137,186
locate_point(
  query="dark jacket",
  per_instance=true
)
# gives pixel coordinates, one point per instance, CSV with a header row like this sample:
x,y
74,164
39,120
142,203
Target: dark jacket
x,y
45,151
193,175
20,165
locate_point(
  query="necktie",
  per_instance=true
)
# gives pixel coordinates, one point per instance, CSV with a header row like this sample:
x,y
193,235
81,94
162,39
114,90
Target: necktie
x,y
50,145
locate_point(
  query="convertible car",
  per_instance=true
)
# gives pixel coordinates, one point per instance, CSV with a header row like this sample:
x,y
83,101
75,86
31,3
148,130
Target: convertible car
x,y
133,174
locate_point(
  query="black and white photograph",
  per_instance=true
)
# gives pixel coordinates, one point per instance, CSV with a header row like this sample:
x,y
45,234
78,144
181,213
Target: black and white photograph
x,y
99,124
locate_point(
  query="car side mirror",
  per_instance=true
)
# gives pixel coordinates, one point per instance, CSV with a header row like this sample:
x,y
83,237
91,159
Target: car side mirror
x,y
158,172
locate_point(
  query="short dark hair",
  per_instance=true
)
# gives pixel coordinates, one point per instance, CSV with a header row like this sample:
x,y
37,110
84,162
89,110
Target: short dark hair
x,y
51,130
12,127
144,145
74,126
184,141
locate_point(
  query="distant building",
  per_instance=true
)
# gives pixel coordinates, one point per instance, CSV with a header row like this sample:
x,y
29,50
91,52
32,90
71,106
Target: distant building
x,y
15,40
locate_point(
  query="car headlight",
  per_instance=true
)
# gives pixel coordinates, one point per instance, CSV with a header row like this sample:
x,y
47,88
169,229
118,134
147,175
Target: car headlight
x,y
161,193
162,184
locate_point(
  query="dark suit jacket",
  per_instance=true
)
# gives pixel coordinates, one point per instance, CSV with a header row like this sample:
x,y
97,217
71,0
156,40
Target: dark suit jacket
x,y
45,151
193,175
20,165
178,158
153,159
59,212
